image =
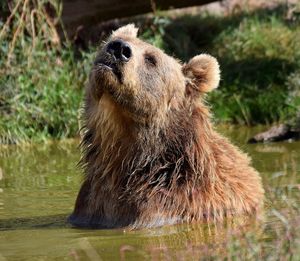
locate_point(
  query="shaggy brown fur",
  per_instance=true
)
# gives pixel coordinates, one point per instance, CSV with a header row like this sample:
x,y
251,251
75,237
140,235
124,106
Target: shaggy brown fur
x,y
150,154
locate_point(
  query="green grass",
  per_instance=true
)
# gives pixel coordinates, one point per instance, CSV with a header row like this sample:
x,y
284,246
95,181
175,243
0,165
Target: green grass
x,y
41,84
42,101
42,81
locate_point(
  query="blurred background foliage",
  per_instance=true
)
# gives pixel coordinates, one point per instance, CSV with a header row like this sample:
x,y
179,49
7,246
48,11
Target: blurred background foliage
x,y
41,80
43,73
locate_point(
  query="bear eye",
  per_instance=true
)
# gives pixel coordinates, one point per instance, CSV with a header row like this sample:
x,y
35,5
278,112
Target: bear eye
x,y
150,59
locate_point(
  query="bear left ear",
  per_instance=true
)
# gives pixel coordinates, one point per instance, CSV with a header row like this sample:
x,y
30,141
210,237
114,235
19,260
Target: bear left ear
x,y
202,73
128,30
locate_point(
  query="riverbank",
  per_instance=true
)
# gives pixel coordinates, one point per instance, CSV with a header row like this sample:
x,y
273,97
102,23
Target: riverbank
x,y
41,86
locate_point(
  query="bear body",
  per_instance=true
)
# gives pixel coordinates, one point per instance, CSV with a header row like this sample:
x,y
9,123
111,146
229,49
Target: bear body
x,y
151,156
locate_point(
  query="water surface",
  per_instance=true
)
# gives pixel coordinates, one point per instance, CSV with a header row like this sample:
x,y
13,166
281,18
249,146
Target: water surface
x,y
39,184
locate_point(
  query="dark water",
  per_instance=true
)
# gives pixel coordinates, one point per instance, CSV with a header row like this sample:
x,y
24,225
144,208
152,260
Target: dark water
x,y
39,183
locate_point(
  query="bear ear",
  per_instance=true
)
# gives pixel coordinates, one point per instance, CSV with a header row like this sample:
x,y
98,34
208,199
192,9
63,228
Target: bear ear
x,y
128,30
202,73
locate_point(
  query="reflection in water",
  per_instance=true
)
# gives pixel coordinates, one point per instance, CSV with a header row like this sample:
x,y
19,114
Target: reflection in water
x,y
39,183
42,222
1,189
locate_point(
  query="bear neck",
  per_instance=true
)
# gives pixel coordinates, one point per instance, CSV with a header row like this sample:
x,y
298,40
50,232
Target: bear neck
x,y
137,158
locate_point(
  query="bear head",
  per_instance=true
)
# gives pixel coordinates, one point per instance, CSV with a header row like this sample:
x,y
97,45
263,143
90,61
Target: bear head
x,y
147,83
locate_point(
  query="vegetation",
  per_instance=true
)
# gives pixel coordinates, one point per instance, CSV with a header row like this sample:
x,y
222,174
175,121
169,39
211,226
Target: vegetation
x,y
42,78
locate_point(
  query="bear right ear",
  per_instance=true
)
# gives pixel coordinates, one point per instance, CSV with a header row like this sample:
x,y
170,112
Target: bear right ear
x,y
202,73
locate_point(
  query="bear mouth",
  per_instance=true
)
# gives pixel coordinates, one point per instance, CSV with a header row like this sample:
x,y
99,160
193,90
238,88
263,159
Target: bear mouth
x,y
113,67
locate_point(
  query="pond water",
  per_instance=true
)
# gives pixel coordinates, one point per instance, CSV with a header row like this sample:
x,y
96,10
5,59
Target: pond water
x,y
39,183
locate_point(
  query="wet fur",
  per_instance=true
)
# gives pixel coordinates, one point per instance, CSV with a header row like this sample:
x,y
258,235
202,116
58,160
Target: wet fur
x,y
163,166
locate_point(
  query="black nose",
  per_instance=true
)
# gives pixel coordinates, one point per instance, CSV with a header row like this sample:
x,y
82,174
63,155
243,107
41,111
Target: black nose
x,y
120,50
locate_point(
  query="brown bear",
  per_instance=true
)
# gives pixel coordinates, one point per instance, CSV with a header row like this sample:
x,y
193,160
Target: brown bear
x,y
151,156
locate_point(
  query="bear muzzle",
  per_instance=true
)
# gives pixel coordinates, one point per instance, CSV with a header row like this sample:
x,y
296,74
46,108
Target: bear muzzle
x,y
113,57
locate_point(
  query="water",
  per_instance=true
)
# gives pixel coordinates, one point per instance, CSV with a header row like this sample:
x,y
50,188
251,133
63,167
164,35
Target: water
x,y
39,183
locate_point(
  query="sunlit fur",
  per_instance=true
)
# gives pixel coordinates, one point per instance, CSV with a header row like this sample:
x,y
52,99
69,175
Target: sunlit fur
x,y
151,156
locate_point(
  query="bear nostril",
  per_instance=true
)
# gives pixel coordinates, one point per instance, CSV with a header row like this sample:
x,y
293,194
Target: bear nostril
x,y
120,50
126,52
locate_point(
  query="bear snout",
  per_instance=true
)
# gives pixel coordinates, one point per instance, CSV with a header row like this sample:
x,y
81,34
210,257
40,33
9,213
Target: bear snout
x,y
119,50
